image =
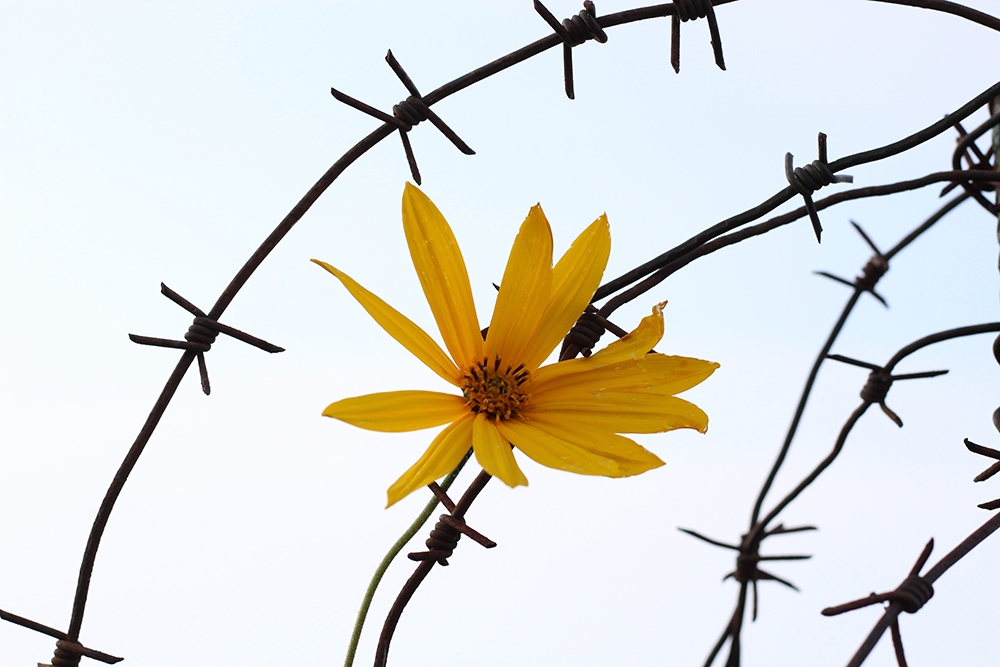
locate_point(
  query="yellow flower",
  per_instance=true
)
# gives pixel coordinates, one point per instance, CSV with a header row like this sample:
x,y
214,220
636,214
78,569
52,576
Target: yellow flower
x,y
566,415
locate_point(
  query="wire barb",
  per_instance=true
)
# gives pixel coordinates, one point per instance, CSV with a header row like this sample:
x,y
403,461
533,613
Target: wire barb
x,y
748,559
65,650
991,453
910,596
405,115
586,333
879,382
573,32
810,178
200,336
444,538
871,273
690,10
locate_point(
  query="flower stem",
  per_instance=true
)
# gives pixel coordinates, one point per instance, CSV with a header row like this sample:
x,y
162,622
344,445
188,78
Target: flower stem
x,y
394,550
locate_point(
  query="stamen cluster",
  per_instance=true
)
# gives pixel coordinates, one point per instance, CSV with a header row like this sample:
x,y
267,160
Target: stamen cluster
x,y
493,391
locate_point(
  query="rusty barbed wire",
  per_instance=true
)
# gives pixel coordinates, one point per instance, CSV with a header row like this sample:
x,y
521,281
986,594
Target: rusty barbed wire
x,y
810,178
585,26
64,648
201,335
752,540
406,115
872,272
911,595
573,32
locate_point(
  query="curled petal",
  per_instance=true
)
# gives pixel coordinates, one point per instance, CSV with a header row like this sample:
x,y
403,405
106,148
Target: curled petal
x,y
494,454
399,411
443,276
443,456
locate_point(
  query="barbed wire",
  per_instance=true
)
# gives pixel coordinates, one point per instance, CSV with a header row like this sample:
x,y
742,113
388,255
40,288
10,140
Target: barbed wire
x,y
975,177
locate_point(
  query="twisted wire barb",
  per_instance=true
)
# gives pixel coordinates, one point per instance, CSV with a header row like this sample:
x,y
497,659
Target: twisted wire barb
x,y
406,115
573,31
759,531
872,272
64,647
810,178
913,593
201,335
911,596
457,514
690,10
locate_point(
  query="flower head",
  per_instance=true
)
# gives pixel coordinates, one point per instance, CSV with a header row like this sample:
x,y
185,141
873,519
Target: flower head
x,y
567,415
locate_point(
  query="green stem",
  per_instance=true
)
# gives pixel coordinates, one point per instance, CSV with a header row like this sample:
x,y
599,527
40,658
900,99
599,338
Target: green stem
x,y
417,524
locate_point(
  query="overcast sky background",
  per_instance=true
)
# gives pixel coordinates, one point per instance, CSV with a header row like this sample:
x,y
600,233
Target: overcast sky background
x,y
149,142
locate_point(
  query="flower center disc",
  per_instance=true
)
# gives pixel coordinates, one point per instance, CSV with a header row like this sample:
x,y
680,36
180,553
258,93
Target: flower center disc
x,y
494,390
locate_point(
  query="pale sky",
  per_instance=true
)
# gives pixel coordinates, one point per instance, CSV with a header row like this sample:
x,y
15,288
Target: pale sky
x,y
149,142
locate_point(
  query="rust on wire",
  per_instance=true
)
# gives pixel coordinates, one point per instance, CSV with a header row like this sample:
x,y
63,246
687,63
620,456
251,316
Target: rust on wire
x,y
912,595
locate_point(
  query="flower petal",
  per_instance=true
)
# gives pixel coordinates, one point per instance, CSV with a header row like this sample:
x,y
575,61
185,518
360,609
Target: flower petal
x,y
494,454
397,325
575,279
553,451
632,458
443,456
524,291
443,276
622,412
398,411
654,373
